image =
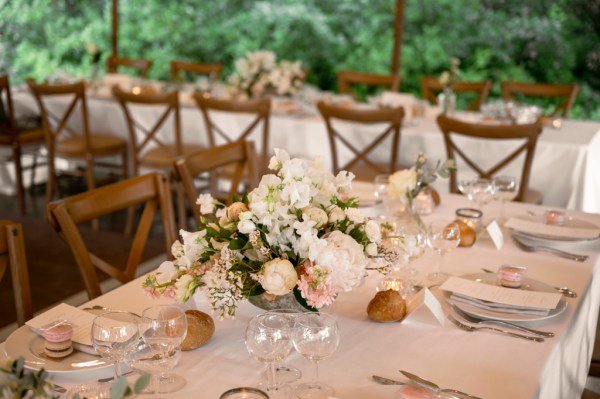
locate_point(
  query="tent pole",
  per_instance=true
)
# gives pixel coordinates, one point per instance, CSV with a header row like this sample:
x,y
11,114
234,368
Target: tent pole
x,y
115,27
398,30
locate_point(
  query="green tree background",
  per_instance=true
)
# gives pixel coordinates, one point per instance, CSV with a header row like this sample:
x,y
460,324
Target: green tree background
x,y
553,41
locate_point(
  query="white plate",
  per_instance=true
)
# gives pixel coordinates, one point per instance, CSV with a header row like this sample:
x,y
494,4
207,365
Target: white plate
x,y
528,284
569,222
24,342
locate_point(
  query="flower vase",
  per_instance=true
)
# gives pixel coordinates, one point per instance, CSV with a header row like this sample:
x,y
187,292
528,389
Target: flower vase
x,y
287,301
447,100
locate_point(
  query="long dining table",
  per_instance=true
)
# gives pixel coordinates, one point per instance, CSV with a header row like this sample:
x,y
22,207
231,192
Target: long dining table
x,y
484,364
566,166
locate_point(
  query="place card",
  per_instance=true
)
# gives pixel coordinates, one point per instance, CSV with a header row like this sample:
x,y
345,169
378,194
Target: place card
x,y
495,234
424,307
543,229
501,295
80,320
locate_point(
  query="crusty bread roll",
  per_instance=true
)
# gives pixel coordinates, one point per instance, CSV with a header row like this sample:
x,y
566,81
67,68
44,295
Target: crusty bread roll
x,y
200,329
387,306
467,234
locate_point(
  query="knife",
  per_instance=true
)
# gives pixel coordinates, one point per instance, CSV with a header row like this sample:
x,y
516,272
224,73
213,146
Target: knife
x,y
387,381
431,385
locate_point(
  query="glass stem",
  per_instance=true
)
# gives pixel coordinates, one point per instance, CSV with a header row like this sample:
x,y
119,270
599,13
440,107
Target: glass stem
x,y
271,377
316,370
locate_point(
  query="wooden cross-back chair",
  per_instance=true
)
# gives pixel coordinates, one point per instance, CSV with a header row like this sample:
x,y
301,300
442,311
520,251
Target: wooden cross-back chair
x,y
68,135
361,165
12,253
260,109
348,79
141,65
512,91
211,69
431,87
239,156
149,149
21,139
151,190
529,133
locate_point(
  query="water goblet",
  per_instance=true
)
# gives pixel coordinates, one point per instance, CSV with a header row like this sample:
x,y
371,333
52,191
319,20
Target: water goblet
x,y
479,190
316,337
442,238
163,329
268,339
114,335
506,188
284,373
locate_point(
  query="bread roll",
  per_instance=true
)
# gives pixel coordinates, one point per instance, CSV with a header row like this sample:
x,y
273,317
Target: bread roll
x,y
387,306
467,234
200,329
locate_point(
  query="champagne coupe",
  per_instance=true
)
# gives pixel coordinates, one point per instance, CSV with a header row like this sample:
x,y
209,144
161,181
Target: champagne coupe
x,y
268,339
163,329
316,337
442,238
506,188
114,335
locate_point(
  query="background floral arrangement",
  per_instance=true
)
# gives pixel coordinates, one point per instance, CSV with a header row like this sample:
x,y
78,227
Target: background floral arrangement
x,y
296,232
448,78
258,74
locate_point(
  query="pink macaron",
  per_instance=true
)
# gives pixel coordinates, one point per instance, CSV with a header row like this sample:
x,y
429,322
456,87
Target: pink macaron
x,y
59,333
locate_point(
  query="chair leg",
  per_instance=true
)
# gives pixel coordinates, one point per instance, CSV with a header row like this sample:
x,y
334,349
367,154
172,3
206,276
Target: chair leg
x,y
91,184
182,214
130,210
33,167
19,178
51,181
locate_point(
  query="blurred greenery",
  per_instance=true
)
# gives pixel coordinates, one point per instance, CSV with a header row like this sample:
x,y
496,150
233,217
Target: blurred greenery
x,y
555,41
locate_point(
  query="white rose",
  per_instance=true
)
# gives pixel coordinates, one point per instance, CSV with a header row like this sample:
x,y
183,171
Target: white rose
x,y
165,272
206,202
402,182
354,215
345,260
373,231
315,214
278,276
246,226
336,214
371,249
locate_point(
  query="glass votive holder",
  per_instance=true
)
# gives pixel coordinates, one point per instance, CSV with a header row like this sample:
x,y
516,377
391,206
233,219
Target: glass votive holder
x,y
554,217
244,393
511,276
472,217
424,202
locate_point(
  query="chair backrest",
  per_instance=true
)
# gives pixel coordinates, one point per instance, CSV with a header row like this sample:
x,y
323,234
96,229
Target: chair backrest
x,y
239,155
151,190
141,65
56,125
392,117
529,133
12,252
260,109
177,67
141,137
348,79
7,116
513,91
431,87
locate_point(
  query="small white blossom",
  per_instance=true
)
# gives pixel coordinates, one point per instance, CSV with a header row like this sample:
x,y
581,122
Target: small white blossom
x,y
206,202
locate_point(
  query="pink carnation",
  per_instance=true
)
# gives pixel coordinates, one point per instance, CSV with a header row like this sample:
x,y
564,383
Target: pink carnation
x,y
317,291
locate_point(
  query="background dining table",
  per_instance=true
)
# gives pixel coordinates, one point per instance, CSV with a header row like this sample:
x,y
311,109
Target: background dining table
x,y
484,364
564,169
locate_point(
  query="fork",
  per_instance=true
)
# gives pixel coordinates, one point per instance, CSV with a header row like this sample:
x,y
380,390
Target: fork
x,y
555,251
469,328
476,320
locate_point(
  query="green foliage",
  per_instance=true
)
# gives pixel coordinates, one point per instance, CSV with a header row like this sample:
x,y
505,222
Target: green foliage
x,y
554,41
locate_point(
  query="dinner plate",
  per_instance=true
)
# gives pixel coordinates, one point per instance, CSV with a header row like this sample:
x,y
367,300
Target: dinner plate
x,y
26,343
528,284
569,222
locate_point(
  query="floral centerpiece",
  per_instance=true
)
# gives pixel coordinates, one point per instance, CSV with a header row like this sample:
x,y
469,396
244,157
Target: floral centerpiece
x,y
297,232
447,98
258,74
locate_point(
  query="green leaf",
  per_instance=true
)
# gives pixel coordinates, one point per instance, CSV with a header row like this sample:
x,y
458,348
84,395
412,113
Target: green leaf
x,y
141,383
119,388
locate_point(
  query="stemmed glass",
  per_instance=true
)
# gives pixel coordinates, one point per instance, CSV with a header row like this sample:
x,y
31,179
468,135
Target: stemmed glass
x,y
268,339
506,188
114,335
163,329
442,238
284,373
316,337
381,184
479,190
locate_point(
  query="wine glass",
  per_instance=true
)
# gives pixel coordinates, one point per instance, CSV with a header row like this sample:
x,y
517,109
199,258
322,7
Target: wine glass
x,y
114,335
268,339
163,329
478,190
284,373
506,188
442,238
316,336
144,360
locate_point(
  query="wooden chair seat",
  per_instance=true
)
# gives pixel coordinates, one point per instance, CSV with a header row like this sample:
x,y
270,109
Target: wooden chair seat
x,y
162,157
100,145
24,137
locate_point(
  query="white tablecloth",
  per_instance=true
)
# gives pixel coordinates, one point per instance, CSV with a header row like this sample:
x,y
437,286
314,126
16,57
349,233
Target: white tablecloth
x,y
484,364
566,167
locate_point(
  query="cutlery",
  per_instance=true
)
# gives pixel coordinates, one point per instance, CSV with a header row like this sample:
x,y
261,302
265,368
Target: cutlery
x,y
431,385
59,388
550,250
98,307
470,328
387,381
108,379
476,320
566,291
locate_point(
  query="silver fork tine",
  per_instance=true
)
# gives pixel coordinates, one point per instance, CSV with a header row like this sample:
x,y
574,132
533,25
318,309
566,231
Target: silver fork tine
x,y
470,328
476,320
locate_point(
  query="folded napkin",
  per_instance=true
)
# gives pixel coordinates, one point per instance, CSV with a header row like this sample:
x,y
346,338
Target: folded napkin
x,y
542,229
80,320
498,307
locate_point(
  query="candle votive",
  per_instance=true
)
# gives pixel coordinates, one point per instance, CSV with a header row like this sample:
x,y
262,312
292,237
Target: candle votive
x,y
244,393
472,217
424,202
554,217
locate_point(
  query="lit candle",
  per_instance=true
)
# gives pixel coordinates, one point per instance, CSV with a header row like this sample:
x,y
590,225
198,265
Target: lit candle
x,y
554,217
557,123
